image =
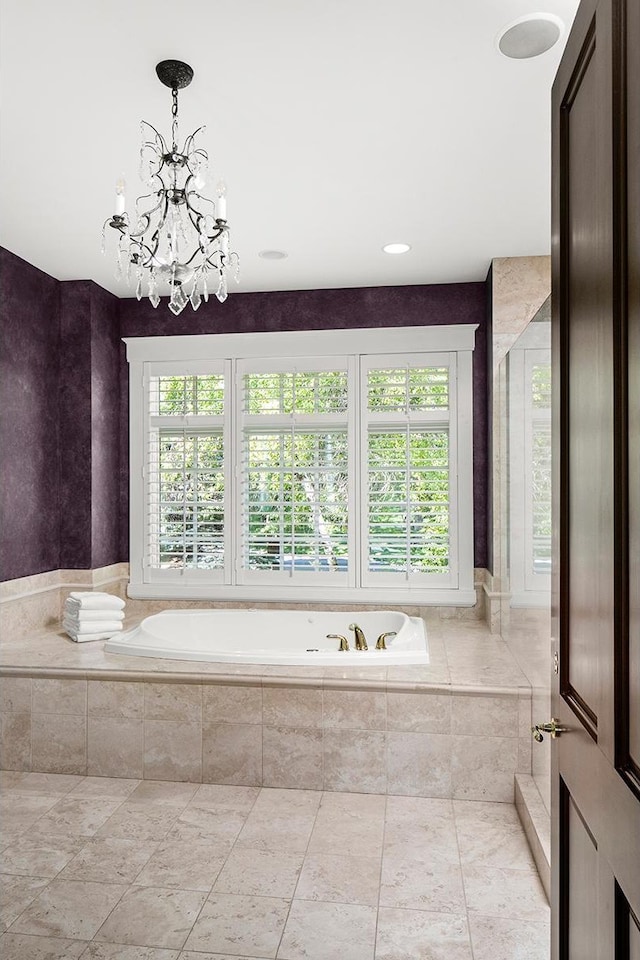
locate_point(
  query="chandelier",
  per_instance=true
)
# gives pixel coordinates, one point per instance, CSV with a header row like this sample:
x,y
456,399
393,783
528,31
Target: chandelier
x,y
176,234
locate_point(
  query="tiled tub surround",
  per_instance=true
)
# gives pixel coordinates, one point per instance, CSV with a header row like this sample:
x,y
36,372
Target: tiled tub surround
x,y
103,869
457,727
34,603
31,604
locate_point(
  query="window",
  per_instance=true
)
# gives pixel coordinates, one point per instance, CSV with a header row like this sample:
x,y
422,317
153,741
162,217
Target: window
x,y
530,472
328,465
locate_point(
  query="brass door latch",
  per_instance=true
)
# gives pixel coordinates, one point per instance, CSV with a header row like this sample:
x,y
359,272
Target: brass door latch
x,y
552,727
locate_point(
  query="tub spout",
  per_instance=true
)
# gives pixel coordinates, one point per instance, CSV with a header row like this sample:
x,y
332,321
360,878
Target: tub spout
x,y
344,643
361,643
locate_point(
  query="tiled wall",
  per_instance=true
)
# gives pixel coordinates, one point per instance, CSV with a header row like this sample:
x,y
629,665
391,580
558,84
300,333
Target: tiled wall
x,y
29,604
433,742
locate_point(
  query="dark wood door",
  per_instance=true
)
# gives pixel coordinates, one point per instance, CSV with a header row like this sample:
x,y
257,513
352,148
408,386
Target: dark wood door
x,y
596,582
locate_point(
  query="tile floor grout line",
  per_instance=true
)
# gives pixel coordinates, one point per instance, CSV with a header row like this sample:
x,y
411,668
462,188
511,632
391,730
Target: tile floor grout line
x,y
462,880
498,814
304,857
384,834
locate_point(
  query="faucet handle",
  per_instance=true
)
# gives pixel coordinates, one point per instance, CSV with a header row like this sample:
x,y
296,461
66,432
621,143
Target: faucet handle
x,y
381,645
344,643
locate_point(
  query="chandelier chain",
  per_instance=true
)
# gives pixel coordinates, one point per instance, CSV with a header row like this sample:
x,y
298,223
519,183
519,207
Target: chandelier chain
x,y
174,114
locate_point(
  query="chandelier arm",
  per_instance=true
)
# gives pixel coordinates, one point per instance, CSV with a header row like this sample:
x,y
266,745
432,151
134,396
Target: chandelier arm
x,y
149,213
197,152
143,246
194,254
140,233
150,156
194,222
155,239
190,140
163,142
200,197
211,261
199,215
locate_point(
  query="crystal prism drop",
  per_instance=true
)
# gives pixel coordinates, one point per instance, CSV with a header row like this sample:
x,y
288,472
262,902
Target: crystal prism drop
x,y
153,297
139,289
195,297
221,292
178,300
103,241
118,273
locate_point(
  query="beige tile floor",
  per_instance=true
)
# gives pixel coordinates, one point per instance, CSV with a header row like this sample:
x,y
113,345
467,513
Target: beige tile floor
x,y
128,870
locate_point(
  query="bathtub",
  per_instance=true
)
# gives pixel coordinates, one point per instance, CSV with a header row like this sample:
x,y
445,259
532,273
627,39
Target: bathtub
x,y
274,637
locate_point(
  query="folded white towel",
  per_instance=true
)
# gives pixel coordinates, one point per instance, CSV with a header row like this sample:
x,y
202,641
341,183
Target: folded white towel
x,y
92,626
81,615
84,637
95,600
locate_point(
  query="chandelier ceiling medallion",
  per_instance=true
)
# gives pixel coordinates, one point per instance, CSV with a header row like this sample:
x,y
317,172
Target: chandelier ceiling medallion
x,y
176,234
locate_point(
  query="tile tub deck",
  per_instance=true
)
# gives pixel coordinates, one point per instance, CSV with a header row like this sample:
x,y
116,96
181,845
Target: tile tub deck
x,y
455,728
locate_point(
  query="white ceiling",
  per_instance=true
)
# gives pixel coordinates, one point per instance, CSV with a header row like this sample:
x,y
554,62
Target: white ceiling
x,y
338,126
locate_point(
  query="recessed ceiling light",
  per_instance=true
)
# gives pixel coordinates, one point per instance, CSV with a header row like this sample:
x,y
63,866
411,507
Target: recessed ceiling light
x,y
396,247
529,36
273,254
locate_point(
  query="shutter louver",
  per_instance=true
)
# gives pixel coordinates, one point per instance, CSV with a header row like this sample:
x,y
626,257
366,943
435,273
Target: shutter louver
x,y
186,477
408,485
295,472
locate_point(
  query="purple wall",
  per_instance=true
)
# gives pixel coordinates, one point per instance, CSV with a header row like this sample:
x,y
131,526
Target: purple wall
x,y
324,310
89,398
29,495
64,397
74,398
60,426
105,429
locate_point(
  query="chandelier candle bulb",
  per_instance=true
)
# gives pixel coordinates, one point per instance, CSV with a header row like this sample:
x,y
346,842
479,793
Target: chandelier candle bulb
x,y
221,202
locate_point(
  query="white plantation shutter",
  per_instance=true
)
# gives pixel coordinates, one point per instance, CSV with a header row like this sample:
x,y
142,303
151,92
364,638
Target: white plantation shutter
x,y
185,470
295,471
408,494
325,465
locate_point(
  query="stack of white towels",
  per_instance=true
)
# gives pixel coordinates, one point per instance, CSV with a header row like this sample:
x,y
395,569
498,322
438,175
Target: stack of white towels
x,y
92,615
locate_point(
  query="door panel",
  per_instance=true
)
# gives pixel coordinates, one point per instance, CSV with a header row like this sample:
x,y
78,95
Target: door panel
x,y
581,865
596,472
631,676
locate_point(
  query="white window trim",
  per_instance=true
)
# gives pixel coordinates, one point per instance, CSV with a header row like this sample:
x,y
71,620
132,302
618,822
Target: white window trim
x,y
148,355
